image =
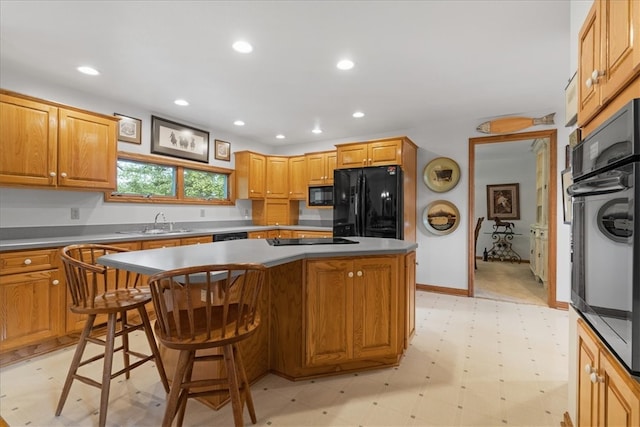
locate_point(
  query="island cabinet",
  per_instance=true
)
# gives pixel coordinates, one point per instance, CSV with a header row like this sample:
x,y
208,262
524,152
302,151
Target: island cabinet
x,y
297,178
49,145
250,175
348,314
609,55
320,167
32,295
607,394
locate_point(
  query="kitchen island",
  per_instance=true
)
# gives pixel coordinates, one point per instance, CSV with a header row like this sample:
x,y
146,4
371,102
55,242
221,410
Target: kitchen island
x,y
330,308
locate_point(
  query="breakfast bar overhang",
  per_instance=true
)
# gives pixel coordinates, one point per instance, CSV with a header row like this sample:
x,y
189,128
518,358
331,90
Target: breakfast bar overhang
x,y
327,309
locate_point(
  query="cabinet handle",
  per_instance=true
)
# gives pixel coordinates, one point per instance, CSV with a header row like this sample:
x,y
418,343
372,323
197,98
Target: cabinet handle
x,y
350,274
589,370
55,282
63,175
370,162
52,174
364,161
359,273
596,75
595,378
27,261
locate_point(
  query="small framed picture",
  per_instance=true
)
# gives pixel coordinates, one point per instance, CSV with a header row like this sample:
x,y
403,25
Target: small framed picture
x,y
129,129
503,201
223,150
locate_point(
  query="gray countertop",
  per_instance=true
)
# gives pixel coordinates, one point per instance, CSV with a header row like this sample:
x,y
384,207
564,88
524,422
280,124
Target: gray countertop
x,y
151,261
108,238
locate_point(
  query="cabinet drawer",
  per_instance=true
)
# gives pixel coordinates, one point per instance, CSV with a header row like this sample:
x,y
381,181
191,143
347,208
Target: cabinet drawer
x,y
26,261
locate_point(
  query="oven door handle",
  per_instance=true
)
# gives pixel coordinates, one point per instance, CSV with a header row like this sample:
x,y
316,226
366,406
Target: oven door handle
x,y
613,183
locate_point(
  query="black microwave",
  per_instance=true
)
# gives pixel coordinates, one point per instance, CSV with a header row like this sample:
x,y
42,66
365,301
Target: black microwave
x,y
320,196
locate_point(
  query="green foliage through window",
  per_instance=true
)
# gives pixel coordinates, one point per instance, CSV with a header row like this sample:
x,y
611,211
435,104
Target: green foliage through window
x,y
146,179
205,185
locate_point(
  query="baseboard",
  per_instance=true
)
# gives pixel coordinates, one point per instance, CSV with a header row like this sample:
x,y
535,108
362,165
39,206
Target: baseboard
x,y
562,305
442,290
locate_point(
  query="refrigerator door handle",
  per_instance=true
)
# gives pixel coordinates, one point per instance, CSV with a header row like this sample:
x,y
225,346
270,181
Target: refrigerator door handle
x,y
356,206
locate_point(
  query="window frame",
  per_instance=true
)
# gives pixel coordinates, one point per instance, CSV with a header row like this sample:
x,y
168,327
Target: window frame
x,y
179,198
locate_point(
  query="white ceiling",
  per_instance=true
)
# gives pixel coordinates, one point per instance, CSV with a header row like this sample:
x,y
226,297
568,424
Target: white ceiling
x,y
415,62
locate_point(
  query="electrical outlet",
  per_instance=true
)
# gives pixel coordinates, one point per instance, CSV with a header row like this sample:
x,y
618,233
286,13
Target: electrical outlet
x,y
201,213
75,213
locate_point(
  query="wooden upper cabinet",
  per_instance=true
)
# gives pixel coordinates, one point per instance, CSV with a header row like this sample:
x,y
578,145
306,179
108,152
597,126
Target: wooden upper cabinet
x,y
277,177
609,54
87,148
320,167
250,175
380,152
297,178
47,145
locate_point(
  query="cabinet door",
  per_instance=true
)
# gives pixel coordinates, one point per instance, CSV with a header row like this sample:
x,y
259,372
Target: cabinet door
x,y
301,234
410,284
277,177
87,151
352,156
589,60
30,308
196,240
375,307
382,153
28,141
316,168
164,243
619,400
298,178
258,234
588,360
619,24
331,164
277,212
329,312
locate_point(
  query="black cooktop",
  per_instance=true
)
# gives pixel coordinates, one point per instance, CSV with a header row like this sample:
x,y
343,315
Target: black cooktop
x,y
310,241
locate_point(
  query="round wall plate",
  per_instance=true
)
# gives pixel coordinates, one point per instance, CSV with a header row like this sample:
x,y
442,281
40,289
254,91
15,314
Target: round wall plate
x,y
441,217
441,174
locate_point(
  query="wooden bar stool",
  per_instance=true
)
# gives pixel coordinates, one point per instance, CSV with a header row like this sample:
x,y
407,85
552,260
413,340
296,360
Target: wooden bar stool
x,y
99,290
205,307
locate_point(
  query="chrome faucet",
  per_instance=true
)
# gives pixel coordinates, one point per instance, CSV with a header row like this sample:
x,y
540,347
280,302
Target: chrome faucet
x,y
155,220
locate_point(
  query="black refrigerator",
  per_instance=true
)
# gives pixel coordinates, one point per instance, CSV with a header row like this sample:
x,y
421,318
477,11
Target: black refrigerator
x,y
368,202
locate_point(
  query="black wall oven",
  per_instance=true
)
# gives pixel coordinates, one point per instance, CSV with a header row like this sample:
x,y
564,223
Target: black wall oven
x,y
605,274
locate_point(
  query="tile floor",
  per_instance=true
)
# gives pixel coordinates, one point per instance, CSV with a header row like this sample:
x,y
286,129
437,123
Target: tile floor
x,y
472,362
508,281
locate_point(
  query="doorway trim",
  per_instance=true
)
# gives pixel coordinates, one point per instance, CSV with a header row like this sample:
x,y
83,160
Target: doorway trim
x,y
552,207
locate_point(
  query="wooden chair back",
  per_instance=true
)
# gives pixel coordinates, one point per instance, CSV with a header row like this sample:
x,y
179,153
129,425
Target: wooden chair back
x,y
206,306
91,285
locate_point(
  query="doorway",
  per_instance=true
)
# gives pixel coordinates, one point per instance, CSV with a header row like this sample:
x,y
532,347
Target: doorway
x,y
551,172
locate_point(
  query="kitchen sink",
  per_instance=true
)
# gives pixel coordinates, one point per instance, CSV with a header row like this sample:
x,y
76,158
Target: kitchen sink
x,y
156,231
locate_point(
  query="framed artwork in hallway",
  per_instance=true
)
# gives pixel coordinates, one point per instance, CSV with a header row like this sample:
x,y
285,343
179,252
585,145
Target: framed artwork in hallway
x,y
503,201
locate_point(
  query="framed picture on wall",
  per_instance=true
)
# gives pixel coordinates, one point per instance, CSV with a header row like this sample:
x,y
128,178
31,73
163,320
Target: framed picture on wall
x,y
567,201
178,140
503,201
129,129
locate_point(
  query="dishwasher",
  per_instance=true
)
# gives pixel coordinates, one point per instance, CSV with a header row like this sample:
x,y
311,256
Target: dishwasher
x,y
221,237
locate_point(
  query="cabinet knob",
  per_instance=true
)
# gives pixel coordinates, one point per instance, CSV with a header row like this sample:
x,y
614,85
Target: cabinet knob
x,y
268,192
27,261
359,273
588,83
55,282
595,378
596,75
350,274
63,175
252,191
370,161
588,369
52,174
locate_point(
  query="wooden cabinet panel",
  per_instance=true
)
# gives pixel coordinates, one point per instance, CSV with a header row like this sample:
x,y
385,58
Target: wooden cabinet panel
x,y
45,144
607,394
164,243
329,312
297,178
301,234
274,212
87,151
28,140
589,60
26,261
258,234
196,240
352,155
387,152
375,307
250,175
320,167
410,283
277,177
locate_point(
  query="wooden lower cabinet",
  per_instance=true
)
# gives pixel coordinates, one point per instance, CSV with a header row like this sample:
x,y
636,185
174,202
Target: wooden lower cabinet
x,y
301,234
410,297
607,394
31,298
351,309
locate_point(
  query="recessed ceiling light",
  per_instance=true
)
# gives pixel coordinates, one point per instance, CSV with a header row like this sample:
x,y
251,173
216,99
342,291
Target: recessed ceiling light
x,y
181,102
280,136
238,123
358,114
317,131
345,64
242,47
88,70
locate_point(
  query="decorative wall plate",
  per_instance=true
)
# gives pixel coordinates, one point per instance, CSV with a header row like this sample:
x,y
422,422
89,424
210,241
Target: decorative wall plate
x,y
441,217
441,174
